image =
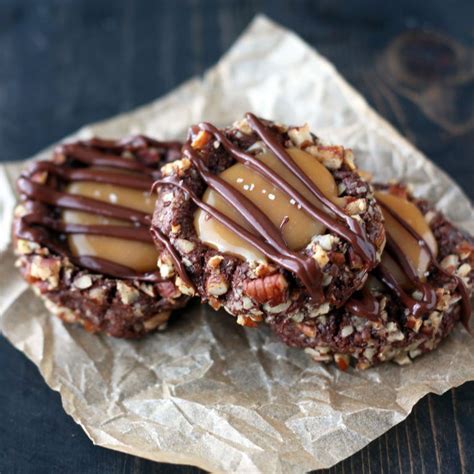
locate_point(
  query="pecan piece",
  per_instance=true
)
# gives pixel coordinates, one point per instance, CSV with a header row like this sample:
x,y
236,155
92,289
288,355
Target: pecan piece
x,y
466,250
269,289
246,321
201,140
308,331
342,361
216,285
167,289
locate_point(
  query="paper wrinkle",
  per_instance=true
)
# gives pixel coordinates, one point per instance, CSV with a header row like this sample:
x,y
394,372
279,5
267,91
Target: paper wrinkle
x,y
207,391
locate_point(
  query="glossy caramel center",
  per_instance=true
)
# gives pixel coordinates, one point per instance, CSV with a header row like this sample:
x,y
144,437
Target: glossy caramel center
x,y
296,226
416,255
139,256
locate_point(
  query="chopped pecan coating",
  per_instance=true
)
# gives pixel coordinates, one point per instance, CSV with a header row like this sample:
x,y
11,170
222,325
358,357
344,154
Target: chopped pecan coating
x,y
270,289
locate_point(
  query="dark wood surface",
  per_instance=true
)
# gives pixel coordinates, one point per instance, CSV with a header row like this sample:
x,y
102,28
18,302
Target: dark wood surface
x,y
64,63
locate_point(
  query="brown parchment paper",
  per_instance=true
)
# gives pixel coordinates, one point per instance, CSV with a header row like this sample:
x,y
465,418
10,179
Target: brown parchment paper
x,y
206,391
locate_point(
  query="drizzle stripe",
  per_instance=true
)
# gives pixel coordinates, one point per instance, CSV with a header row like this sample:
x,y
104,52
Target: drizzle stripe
x,y
361,245
466,300
161,239
46,195
128,233
269,239
34,225
87,174
304,266
305,269
97,158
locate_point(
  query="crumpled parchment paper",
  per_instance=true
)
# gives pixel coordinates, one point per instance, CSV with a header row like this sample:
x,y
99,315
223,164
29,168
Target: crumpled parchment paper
x,y
208,392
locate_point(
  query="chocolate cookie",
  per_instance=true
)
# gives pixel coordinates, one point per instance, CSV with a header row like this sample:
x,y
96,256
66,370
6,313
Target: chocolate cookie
x,y
259,218
81,233
410,302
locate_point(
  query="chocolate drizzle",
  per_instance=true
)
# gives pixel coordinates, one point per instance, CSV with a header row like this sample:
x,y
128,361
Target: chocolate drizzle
x,y
47,195
368,306
264,235
138,156
466,302
141,181
159,237
277,251
355,234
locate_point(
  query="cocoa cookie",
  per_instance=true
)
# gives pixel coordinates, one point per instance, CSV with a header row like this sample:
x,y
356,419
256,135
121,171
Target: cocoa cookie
x,y
262,219
410,302
81,234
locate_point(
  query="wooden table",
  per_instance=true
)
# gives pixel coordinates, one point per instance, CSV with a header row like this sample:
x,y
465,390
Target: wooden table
x,y
66,63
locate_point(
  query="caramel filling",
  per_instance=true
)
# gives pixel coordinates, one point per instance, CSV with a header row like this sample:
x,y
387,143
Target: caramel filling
x,y
416,255
139,256
296,226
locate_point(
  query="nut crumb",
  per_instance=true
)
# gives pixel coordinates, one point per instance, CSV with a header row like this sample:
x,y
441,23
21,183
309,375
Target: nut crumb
x,y
83,282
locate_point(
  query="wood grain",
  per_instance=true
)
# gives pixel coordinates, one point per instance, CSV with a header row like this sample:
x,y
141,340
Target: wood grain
x,y
66,63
